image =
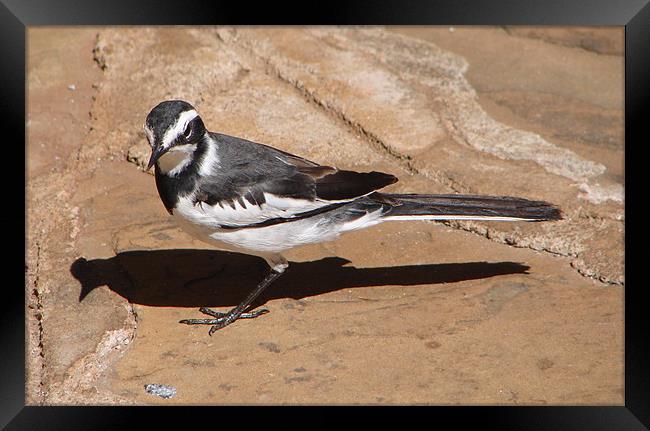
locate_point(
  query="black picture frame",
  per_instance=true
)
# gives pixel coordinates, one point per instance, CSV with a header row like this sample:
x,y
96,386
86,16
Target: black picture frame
x,y
17,15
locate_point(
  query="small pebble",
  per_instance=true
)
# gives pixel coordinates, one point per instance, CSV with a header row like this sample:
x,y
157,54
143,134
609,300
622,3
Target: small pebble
x,y
163,391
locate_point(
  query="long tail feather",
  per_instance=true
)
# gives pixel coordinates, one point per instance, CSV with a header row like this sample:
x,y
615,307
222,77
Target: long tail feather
x,y
467,207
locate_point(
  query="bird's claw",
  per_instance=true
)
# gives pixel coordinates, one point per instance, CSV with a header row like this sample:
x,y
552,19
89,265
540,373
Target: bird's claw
x,y
221,320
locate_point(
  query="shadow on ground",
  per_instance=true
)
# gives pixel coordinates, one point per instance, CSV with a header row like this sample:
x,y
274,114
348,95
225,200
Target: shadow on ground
x,y
197,278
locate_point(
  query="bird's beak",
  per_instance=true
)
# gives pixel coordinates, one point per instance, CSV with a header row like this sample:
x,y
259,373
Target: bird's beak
x,y
158,151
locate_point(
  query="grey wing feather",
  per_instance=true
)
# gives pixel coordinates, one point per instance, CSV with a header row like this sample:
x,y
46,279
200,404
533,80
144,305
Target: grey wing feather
x,y
250,169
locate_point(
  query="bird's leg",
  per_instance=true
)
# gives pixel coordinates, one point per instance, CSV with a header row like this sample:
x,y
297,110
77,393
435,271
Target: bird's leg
x,y
224,319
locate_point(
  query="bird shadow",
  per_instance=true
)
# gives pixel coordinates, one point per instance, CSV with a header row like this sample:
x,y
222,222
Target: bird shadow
x,y
206,278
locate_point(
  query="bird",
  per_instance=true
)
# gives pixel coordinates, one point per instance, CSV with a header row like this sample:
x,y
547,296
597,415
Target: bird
x,y
247,197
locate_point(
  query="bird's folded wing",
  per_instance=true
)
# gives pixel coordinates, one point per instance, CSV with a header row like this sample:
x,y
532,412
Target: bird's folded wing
x,y
295,189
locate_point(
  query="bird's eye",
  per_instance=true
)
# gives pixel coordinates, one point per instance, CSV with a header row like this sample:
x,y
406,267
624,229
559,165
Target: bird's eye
x,y
188,131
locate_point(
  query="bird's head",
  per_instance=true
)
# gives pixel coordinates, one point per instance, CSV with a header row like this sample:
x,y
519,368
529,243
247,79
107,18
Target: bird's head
x,y
174,129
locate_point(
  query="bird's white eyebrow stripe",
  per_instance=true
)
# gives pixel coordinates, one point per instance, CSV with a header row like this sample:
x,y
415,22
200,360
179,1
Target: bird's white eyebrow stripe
x,y
179,126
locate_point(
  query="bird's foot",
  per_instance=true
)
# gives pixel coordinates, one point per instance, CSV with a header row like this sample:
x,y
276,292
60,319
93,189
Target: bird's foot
x,y
222,320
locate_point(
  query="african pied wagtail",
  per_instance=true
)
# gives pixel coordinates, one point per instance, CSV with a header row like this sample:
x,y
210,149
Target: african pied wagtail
x,y
250,198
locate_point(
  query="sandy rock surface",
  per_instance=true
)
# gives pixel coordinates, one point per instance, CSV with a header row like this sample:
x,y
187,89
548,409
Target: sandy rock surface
x,y
453,313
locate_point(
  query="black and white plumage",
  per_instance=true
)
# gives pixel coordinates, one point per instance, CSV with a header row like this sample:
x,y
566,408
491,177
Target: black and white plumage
x,y
251,198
